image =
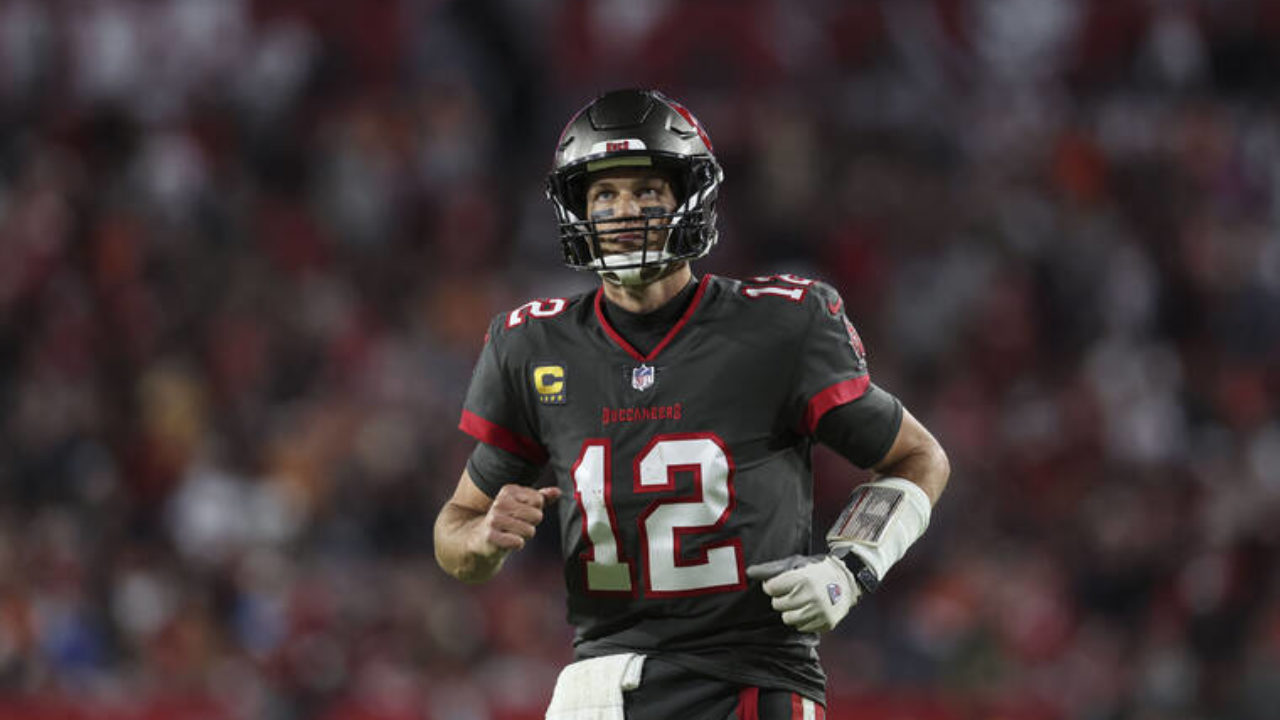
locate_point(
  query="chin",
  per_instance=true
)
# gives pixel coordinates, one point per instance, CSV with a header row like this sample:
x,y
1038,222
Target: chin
x,y
639,276
632,277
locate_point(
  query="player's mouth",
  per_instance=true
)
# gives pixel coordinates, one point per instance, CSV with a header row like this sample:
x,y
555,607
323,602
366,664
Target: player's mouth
x,y
636,245
623,238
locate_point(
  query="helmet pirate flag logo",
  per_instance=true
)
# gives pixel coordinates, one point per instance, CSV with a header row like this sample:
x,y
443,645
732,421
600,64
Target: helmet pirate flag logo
x,y
689,118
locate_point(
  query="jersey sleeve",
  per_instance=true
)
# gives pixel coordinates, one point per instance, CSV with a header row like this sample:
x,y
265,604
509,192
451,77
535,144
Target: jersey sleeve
x,y
831,364
494,412
862,431
491,467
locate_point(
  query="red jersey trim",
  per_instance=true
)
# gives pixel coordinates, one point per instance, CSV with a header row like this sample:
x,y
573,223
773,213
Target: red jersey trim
x,y
666,340
749,703
845,391
500,437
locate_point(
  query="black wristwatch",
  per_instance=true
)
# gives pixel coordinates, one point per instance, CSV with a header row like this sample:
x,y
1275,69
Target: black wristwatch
x,y
865,576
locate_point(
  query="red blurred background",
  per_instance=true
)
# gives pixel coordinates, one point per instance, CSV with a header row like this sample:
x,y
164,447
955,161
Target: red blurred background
x,y
250,247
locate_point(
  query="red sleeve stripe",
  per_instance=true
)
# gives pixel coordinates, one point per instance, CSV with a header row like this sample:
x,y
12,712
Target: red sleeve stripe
x,y
845,391
500,437
749,703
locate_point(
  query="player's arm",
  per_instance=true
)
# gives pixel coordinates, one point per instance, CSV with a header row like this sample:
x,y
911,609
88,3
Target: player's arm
x,y
474,533
886,516
882,520
493,510
916,456
869,427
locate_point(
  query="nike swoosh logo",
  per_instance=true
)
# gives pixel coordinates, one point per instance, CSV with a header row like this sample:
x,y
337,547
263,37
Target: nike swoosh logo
x,y
834,307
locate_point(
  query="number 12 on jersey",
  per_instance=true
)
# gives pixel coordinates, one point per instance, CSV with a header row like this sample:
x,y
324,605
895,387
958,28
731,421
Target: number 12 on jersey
x,y
662,527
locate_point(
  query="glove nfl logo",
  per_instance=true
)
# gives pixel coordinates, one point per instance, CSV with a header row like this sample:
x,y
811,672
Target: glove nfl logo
x,y
833,593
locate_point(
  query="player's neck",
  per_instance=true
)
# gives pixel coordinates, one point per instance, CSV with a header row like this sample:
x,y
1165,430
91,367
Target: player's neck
x,y
647,298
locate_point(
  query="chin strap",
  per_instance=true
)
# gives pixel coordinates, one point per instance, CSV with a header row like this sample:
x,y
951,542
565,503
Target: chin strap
x,y
633,276
642,275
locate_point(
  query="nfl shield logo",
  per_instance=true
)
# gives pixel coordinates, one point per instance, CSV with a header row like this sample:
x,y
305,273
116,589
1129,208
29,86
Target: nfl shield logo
x,y
642,378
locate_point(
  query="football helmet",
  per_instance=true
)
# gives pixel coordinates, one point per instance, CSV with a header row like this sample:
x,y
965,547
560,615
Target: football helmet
x,y
635,128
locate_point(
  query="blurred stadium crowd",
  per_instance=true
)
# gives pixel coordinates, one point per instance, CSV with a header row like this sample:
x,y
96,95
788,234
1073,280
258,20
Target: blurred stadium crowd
x,y
249,248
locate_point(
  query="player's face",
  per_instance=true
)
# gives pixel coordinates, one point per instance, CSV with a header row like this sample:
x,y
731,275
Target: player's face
x,y
620,203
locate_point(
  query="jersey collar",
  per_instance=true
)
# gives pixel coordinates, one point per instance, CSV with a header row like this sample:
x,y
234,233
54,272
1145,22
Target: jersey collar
x,y
666,339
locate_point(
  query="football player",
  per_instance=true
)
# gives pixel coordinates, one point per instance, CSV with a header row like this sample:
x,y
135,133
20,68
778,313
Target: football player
x,y
678,414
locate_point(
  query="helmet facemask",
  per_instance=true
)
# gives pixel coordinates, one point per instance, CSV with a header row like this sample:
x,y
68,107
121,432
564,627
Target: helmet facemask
x,y
687,164
689,228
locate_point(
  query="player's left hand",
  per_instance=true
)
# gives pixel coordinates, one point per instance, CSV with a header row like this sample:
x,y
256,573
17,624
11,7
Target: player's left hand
x,y
813,592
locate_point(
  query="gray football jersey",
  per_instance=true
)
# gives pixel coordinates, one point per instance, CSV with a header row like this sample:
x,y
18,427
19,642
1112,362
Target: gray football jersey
x,y
680,467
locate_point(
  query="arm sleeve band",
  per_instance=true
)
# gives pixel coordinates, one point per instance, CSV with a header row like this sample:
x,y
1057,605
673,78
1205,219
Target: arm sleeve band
x,y
862,431
492,467
882,520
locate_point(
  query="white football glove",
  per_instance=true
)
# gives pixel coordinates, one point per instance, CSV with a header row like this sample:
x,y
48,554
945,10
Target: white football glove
x,y
874,531
812,592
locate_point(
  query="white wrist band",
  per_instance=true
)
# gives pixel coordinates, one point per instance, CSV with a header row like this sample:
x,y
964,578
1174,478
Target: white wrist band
x,y
881,521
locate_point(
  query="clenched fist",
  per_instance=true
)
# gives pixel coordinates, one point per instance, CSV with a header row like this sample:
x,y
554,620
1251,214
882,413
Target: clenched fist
x,y
513,518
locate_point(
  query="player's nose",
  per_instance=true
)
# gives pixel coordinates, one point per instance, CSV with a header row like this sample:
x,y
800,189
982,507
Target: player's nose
x,y
628,205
